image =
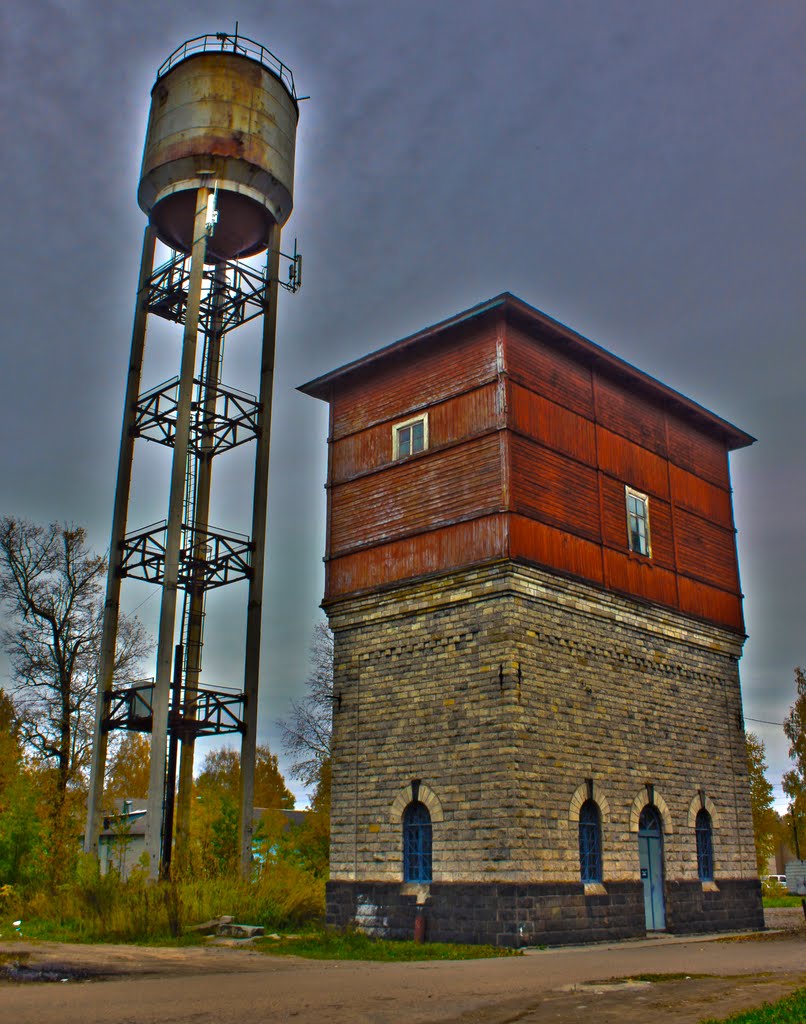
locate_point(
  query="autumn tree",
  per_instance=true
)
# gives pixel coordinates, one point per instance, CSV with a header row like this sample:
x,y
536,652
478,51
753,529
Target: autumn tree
x,y
214,827
10,744
794,781
221,774
128,767
765,820
20,830
306,732
51,587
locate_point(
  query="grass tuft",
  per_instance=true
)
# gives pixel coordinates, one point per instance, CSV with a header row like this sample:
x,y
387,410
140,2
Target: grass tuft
x,y
789,1010
352,945
782,899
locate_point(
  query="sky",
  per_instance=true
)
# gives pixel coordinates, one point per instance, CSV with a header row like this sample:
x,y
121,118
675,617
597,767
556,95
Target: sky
x,y
633,169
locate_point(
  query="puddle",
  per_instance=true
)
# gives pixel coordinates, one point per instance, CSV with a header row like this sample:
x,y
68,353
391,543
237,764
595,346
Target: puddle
x,y
20,972
602,987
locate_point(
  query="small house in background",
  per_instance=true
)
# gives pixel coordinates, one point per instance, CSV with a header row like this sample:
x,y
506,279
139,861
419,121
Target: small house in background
x,y
122,841
532,581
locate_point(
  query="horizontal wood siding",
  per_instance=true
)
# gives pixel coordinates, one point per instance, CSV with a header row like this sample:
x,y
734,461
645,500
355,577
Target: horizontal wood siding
x,y
478,540
417,494
632,464
555,549
706,551
624,412
551,424
641,577
700,454
529,454
710,603
548,372
457,419
697,495
403,383
553,488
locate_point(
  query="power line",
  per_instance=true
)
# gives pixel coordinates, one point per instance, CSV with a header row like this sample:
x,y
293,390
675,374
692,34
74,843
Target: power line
x,y
763,721
154,594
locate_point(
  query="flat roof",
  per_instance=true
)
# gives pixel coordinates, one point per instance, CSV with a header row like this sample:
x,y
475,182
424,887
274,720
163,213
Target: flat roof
x,y
581,348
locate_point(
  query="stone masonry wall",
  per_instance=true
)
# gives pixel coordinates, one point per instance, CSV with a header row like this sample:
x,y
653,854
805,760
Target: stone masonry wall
x,y
537,913
508,692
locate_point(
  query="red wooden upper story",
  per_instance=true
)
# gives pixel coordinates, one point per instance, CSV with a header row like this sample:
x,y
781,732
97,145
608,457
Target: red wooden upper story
x,y
500,433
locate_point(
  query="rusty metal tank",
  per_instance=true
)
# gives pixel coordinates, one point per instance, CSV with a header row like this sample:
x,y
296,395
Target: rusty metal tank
x,y
223,113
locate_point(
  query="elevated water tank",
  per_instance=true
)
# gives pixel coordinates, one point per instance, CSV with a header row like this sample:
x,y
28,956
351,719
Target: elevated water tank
x,y
223,113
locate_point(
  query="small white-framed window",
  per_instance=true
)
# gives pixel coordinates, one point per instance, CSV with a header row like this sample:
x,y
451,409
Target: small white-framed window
x,y
638,522
410,436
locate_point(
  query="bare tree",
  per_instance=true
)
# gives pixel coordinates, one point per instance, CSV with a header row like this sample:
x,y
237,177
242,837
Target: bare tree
x,y
51,585
306,732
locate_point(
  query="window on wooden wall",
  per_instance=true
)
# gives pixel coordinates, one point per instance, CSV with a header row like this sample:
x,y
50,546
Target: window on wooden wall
x,y
409,437
638,522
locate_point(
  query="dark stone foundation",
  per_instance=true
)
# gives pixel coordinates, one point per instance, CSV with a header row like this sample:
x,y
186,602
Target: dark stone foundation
x,y
526,914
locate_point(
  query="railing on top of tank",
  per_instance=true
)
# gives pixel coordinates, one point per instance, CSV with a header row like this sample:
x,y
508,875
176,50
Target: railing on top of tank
x,y
223,42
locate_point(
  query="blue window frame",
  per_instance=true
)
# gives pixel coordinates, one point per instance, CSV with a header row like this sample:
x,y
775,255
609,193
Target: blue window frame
x,y
705,846
649,823
590,842
416,843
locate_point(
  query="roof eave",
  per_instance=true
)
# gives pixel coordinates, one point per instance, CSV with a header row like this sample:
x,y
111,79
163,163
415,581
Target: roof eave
x,y
320,387
589,351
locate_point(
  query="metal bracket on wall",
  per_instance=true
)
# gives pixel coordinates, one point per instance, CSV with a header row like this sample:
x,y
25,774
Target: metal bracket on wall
x,y
293,283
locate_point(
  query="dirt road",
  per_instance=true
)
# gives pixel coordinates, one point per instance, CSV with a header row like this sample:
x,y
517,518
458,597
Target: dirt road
x,y
557,986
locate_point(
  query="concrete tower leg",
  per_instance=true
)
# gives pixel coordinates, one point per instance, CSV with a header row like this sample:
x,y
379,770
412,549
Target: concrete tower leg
x,y
201,522
167,621
106,666
254,612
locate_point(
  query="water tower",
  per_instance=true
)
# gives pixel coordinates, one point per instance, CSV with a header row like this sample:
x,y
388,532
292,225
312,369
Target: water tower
x,y
217,186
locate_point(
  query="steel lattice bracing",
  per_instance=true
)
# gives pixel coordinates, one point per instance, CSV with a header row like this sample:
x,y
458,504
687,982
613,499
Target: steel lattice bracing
x,y
226,559
218,418
234,421
210,713
224,305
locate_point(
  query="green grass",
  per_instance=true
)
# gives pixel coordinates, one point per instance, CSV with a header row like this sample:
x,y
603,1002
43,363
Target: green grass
x,y
782,900
350,945
789,1010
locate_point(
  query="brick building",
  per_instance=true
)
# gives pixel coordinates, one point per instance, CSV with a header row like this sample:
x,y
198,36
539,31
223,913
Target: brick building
x,y
532,580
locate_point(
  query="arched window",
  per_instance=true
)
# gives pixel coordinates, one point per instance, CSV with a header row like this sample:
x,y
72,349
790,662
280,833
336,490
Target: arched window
x,y
649,823
590,842
416,843
705,846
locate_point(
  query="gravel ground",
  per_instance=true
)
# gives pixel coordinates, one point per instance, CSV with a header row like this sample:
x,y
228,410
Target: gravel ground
x,y
668,980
